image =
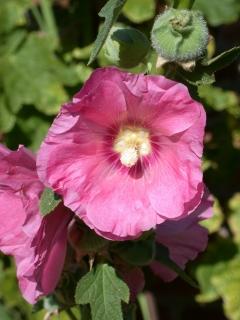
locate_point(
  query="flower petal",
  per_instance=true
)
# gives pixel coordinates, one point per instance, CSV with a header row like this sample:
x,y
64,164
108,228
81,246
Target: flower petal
x,y
184,238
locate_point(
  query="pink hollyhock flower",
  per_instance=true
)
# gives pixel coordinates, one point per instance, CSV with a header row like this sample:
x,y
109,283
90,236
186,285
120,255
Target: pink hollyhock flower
x,y
184,239
37,244
125,154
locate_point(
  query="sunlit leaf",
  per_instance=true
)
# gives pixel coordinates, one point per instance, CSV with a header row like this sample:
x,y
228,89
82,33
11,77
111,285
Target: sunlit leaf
x,y
215,260
218,12
214,223
110,12
7,118
217,98
35,76
104,291
234,219
139,10
12,14
227,284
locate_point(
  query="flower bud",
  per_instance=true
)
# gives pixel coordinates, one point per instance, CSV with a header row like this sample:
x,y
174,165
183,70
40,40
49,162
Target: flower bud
x,y
180,35
126,47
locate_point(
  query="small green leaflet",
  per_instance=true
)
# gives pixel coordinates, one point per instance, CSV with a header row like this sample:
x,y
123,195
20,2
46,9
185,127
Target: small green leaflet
x,y
203,74
223,60
162,256
48,201
110,12
104,291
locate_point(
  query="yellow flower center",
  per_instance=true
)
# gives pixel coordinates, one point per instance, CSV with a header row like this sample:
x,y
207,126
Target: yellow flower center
x,y
132,143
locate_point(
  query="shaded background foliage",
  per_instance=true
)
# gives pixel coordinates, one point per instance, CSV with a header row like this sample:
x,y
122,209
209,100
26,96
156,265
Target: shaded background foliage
x,y
44,51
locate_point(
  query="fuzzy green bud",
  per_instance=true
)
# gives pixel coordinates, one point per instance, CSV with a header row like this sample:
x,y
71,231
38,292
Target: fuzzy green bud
x,y
126,47
180,35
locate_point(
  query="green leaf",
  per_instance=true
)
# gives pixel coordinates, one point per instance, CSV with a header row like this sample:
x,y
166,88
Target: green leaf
x,y
214,223
104,291
28,124
227,284
199,76
204,275
7,119
218,12
35,76
223,60
214,260
234,219
110,12
203,74
12,14
162,256
139,11
48,201
11,41
4,315
217,98
138,253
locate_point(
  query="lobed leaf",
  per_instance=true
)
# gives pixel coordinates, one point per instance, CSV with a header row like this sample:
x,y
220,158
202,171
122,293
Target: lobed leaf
x,y
227,284
215,260
104,291
110,12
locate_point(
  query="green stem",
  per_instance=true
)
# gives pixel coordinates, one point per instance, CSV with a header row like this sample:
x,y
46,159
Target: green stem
x,y
71,314
144,306
191,3
49,20
38,17
184,4
147,306
176,3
